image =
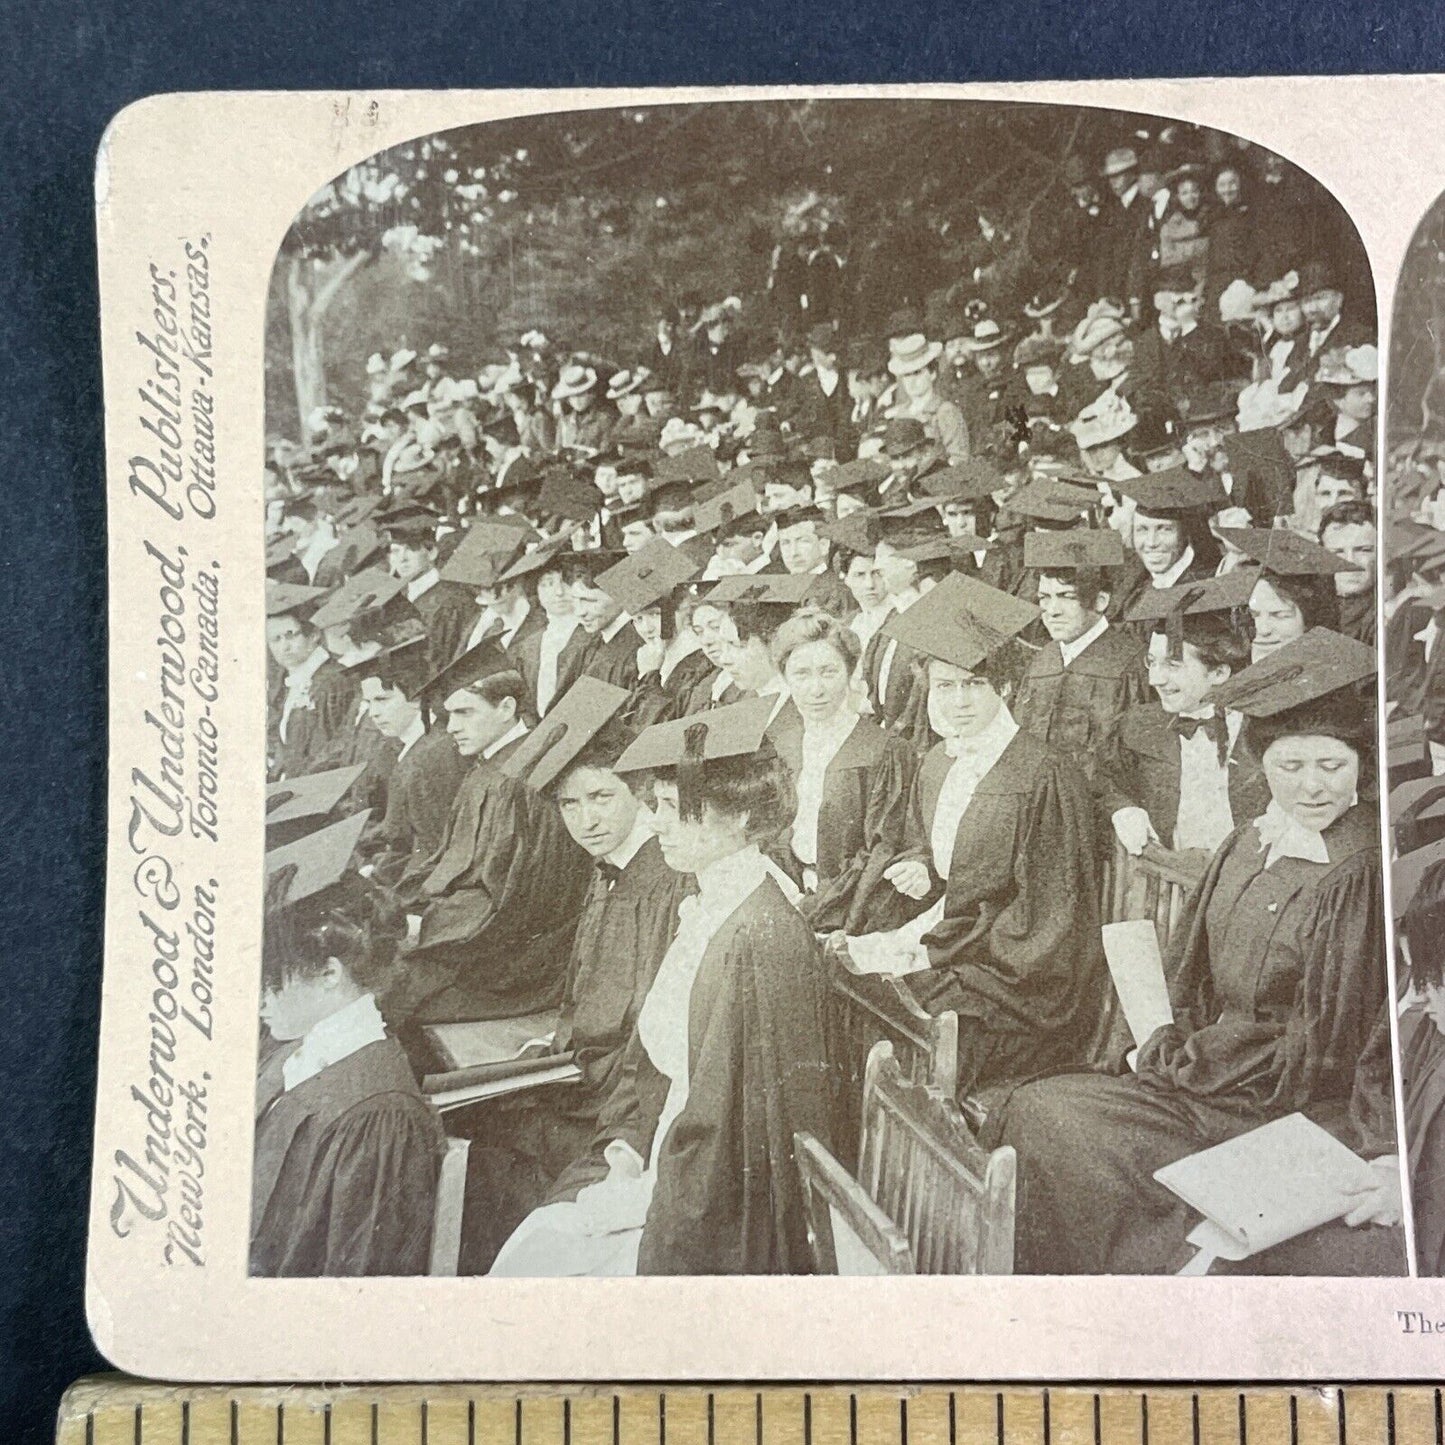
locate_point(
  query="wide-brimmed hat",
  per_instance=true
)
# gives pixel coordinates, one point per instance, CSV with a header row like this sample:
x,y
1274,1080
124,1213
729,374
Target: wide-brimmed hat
x,y
912,353
400,360
574,381
1091,333
987,335
437,352
1105,419
1120,160
375,364
624,383
1349,366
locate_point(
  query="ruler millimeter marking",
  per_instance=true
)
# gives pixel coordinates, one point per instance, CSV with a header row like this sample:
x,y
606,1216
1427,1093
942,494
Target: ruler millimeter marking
x,y
116,1411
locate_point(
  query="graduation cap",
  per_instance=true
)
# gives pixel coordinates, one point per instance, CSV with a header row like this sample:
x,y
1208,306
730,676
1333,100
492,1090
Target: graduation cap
x,y
1068,551
648,576
403,661
368,591
689,744
1210,594
485,551
1408,876
319,860
578,716
961,621
408,522
1303,671
357,546
1052,499
280,551
1285,553
312,796
564,494
1174,491
357,510
478,662
284,597
856,475
857,532
768,589
537,560
969,481
722,510
930,549
697,464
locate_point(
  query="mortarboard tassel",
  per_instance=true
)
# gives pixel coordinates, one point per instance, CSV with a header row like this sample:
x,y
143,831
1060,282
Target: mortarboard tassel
x,y
690,773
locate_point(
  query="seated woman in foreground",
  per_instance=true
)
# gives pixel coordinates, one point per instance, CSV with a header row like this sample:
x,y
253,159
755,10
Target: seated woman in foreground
x,y
1277,980
728,1058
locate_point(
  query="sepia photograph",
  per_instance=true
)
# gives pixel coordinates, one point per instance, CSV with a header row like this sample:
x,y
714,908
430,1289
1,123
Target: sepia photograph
x,y
821,708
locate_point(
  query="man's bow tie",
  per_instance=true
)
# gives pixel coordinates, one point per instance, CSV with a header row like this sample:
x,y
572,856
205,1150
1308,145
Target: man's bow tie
x,y
1215,728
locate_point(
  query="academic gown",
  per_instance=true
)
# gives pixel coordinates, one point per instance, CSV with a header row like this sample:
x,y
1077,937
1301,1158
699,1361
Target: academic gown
x,y
895,708
419,797
1074,707
525,650
363,742
1017,952
727,1198
345,1172
1277,977
1357,617
688,689
1139,766
449,613
1422,1072
315,730
613,660
537,1146
829,593
862,824
500,903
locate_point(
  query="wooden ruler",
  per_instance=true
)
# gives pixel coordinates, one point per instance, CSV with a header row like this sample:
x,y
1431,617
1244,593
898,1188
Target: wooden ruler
x,y
115,1411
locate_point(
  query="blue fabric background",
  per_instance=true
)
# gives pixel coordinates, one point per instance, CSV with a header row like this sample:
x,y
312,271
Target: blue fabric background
x,y
67,69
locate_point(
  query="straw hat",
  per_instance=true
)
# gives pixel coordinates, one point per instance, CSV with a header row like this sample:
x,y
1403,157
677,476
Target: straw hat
x,y
912,353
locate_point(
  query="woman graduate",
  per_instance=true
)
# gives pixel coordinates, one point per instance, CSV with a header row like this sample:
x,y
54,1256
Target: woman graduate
x,y
1277,981
347,1148
852,782
999,862
728,1059
1295,586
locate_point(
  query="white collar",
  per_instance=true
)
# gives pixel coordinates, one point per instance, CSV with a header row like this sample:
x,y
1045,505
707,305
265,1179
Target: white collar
x,y
1072,649
411,736
517,730
312,553
336,1037
830,734
566,625
631,845
300,677
1280,836
1428,632
1169,578
615,626
418,586
722,885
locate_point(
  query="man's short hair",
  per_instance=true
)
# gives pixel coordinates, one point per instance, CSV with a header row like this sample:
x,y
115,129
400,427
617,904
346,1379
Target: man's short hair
x,y
1089,583
1211,635
1352,512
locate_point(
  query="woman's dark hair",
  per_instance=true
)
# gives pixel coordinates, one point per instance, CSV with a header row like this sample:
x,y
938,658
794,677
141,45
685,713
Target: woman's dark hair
x,y
1214,639
758,784
1314,596
1003,669
353,922
1345,716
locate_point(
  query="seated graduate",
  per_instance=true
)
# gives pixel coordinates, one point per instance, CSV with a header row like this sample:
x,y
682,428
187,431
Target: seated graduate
x,y
549,657
1419,899
1076,687
1175,771
670,667
315,703
502,894
426,774
1294,588
1348,531
1000,856
803,551
756,607
446,608
611,649
1277,978
852,781
1170,529
728,1059
347,1148
538,1144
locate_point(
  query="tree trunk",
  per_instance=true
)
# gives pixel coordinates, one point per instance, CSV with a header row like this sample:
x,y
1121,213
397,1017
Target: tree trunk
x,y
312,284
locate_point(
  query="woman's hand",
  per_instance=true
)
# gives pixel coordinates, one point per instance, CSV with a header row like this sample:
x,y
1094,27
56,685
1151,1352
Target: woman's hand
x,y
1379,1202
649,657
909,877
1133,829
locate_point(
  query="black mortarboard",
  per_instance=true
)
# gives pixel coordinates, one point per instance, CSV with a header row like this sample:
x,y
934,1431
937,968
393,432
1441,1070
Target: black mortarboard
x,y
1094,547
968,481
484,553
320,859
720,511
368,591
564,494
1210,594
313,795
961,621
409,522
1260,459
402,662
1303,671
576,718
1285,553
1051,499
769,589
478,662
1408,873
650,574
537,560
697,464
1173,491
858,532
284,597
855,476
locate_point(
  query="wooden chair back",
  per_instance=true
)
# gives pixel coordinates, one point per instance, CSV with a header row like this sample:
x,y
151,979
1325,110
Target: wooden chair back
x,y
875,1006
1154,885
847,1232
919,1162
446,1234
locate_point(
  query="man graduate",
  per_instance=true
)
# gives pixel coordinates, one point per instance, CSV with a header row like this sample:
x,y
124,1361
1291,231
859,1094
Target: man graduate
x,y
502,895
